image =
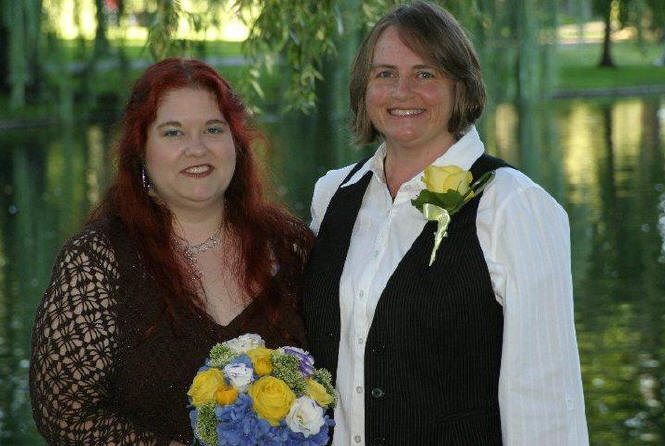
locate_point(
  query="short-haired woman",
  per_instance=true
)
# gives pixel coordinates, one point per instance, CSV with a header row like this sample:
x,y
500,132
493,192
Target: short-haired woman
x,y
479,347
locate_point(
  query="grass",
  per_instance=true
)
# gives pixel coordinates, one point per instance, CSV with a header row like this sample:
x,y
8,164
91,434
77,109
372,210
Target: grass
x,y
579,70
135,49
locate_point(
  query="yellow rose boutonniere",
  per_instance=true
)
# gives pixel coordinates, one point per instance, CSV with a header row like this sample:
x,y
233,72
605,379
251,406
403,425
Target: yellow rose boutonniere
x,y
446,178
205,385
272,399
447,189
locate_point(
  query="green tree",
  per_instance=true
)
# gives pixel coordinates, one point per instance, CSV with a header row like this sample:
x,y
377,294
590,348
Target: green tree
x,y
310,40
303,34
637,13
23,36
604,9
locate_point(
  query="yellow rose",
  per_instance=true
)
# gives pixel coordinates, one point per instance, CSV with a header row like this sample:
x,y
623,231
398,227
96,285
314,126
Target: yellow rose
x,y
226,395
260,357
205,386
272,399
317,392
444,178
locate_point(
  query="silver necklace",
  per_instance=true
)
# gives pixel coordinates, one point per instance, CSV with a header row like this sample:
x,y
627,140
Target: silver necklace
x,y
191,252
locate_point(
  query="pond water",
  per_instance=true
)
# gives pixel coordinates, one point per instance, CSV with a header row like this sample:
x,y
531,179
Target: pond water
x,y
603,160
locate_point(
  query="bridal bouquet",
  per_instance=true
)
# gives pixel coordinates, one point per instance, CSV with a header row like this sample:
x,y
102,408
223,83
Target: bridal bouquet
x,y
247,394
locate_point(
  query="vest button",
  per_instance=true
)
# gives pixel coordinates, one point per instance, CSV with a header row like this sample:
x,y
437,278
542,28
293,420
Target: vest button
x,y
379,348
377,392
378,441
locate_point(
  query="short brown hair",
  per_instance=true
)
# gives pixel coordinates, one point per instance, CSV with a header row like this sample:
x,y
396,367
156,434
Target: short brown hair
x,y
433,33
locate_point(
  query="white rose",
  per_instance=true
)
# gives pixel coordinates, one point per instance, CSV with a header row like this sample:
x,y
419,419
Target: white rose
x,y
244,343
305,416
239,375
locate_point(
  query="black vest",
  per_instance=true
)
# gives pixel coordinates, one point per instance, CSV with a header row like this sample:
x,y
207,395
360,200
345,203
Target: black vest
x,y
433,351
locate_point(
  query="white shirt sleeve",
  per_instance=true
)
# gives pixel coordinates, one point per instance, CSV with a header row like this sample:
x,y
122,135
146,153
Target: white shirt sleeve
x,y
540,387
317,209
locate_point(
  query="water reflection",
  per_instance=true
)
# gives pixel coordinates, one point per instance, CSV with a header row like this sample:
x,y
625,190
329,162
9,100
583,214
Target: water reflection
x,y
616,177
604,160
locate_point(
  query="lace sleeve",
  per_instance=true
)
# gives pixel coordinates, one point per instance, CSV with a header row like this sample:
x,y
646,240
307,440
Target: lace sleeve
x,y
73,351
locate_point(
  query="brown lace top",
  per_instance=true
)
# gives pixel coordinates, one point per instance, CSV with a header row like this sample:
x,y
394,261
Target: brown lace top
x,y
95,378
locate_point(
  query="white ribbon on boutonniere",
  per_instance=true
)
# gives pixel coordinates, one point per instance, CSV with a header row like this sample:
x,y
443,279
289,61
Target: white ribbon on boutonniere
x,y
447,189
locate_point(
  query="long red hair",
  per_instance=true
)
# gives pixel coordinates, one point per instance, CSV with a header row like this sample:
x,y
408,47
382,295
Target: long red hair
x,y
266,232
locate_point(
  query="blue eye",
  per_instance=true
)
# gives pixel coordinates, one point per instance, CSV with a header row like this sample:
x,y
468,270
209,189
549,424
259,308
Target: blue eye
x,y
172,132
425,75
214,130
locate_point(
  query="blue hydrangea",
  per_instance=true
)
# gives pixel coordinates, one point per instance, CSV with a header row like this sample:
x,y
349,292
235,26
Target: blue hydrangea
x,y
238,424
193,416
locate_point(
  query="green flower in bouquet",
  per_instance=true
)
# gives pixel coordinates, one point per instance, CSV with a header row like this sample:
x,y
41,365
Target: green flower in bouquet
x,y
447,189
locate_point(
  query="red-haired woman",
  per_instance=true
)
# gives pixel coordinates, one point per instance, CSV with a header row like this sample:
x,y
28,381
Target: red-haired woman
x,y
182,252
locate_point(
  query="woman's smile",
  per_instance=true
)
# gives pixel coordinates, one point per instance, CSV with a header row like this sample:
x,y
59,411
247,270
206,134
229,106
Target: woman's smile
x,y
406,112
199,171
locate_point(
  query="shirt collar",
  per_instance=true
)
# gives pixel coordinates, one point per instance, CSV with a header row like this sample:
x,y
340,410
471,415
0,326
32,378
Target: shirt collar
x,y
463,154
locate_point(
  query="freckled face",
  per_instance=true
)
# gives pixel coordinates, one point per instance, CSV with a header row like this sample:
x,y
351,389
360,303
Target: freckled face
x,y
190,155
408,100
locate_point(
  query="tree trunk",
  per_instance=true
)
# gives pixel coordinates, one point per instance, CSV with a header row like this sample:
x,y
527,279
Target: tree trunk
x,y
606,60
33,34
4,49
527,66
101,42
17,61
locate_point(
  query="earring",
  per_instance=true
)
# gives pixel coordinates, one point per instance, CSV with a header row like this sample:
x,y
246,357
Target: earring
x,y
144,180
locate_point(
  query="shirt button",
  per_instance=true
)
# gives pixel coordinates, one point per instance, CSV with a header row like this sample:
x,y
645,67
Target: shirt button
x,y
376,253
361,340
357,438
359,389
361,293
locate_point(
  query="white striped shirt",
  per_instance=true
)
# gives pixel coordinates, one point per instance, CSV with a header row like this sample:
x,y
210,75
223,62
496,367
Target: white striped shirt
x,y
525,239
